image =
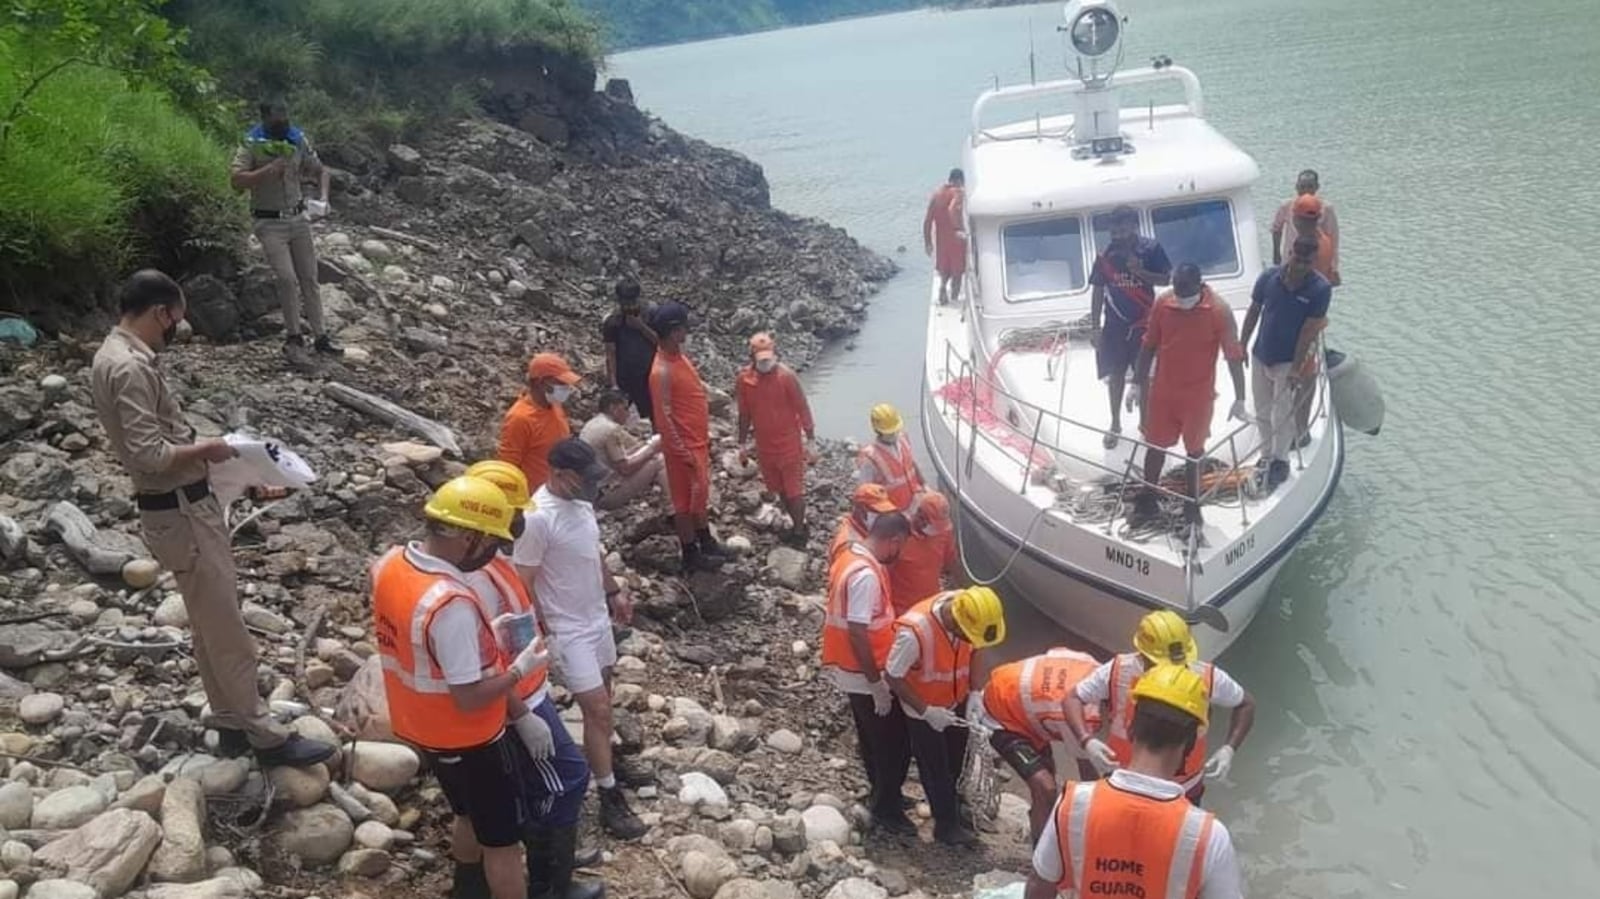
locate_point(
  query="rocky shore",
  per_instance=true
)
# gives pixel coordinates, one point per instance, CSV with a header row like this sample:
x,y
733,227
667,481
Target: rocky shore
x,y
444,266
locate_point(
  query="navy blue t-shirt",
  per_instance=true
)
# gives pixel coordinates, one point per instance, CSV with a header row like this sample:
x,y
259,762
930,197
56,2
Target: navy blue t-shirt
x,y
1129,298
1284,312
635,351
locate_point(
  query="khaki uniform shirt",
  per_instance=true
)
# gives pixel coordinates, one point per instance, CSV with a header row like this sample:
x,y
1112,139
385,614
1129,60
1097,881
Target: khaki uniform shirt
x,y
281,194
142,420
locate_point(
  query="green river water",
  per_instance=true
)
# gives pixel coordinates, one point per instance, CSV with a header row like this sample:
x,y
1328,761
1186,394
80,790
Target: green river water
x,y
1428,663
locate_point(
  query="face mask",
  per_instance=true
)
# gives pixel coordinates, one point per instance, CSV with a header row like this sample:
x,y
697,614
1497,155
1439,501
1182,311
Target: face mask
x,y
888,439
870,518
1189,302
480,558
765,366
588,492
559,394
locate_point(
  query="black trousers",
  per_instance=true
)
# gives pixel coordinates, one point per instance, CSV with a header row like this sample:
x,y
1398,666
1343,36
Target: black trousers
x,y
885,753
939,759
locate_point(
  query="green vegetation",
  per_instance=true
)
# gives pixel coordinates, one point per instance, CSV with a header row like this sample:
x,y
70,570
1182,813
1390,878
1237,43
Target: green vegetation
x,y
633,23
104,161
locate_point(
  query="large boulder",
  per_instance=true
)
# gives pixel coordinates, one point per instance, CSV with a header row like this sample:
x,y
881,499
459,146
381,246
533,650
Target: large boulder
x,y
61,889
36,472
385,767
16,805
107,853
318,835
182,854
787,566
68,808
825,823
300,787
856,888
213,310
705,874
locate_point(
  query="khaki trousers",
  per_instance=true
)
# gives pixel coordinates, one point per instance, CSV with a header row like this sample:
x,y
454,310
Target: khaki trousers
x,y
625,490
193,543
293,257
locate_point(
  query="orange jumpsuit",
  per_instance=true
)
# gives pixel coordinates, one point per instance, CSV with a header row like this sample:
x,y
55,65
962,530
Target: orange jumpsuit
x,y
683,418
528,433
940,224
776,408
917,573
1186,343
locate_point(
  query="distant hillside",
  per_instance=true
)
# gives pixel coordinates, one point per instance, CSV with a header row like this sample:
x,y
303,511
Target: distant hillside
x,y
636,23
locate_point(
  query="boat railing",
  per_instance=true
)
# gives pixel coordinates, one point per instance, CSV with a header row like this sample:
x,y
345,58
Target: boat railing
x,y
1192,95
978,402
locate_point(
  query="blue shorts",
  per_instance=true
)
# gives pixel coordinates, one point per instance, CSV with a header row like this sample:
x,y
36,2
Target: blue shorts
x,y
1119,346
553,787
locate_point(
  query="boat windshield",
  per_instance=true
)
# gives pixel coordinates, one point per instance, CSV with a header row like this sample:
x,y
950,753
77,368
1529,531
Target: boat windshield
x,y
1200,232
1043,258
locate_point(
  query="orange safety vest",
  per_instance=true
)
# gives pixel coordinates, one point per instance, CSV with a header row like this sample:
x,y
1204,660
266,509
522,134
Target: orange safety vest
x,y
404,600
836,651
514,599
1126,669
942,675
897,469
1116,843
1026,697
846,534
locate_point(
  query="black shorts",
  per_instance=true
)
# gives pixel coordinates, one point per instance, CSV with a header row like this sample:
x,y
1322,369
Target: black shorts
x,y
1019,752
1119,346
481,784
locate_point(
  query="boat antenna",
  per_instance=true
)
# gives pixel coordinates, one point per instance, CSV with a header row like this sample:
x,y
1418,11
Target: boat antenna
x,y
1033,77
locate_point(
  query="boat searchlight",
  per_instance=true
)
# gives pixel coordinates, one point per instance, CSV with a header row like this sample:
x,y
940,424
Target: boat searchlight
x,y
1094,28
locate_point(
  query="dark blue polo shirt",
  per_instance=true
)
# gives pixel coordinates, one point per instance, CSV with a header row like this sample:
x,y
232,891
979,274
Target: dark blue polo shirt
x,y
1284,312
1128,298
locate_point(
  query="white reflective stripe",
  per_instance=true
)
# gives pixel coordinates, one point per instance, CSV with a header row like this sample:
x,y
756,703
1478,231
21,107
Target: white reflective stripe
x,y
838,610
1077,835
416,683
892,468
1186,853
1125,671
1034,708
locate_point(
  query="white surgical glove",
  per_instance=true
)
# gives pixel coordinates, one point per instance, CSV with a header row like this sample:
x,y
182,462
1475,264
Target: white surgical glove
x,y
1220,762
531,657
882,697
316,209
535,735
1100,754
1236,411
938,717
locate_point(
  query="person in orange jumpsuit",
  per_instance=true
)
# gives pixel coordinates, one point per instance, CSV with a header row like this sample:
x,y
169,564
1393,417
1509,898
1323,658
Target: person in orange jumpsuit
x,y
1189,326
944,235
866,504
928,556
537,421
772,404
683,419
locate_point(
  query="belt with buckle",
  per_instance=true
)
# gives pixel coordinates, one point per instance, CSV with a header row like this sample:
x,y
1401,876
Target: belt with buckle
x,y
278,213
160,502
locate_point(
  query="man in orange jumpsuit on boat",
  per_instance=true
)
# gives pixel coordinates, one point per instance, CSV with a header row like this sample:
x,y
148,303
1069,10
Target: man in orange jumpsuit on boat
x,y
1188,327
1163,638
1133,834
944,235
928,556
772,403
888,459
537,421
868,502
683,419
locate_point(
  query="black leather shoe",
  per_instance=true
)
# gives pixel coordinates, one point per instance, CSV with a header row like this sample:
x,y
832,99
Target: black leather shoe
x,y
295,752
897,824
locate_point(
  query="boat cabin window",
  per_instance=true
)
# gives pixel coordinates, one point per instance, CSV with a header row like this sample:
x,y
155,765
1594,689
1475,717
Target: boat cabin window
x,y
1201,233
1043,258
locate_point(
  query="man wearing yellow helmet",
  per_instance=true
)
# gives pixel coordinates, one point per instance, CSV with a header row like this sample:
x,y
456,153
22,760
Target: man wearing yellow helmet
x,y
888,459
929,669
1134,834
1163,638
446,681
561,774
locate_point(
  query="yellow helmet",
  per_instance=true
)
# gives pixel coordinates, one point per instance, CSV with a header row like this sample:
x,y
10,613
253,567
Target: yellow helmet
x,y
979,616
1176,686
509,478
475,504
1163,638
886,419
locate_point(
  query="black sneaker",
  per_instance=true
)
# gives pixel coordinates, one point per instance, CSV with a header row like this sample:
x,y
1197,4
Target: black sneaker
x,y
327,347
695,559
295,752
617,818
898,824
954,835
710,547
1277,473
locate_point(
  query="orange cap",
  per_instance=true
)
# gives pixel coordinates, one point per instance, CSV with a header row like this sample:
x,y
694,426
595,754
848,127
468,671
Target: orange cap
x,y
1307,206
874,498
762,346
551,365
934,505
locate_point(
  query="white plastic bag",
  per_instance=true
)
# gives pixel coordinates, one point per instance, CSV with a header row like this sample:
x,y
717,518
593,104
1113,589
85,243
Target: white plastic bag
x,y
259,463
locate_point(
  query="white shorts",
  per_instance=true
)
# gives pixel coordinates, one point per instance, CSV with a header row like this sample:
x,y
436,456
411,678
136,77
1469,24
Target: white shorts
x,y
581,658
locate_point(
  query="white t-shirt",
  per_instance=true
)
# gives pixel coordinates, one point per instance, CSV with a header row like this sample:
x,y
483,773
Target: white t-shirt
x,y
456,629
1219,878
562,539
1225,691
862,594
